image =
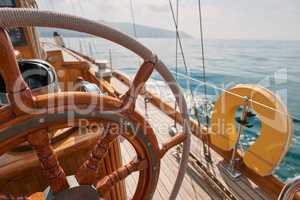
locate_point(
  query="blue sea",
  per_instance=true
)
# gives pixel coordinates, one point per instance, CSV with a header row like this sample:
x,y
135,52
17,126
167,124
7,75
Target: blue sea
x,y
272,64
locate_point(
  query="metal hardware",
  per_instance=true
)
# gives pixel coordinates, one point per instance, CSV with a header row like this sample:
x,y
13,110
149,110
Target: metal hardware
x,y
146,101
230,168
212,180
173,130
110,60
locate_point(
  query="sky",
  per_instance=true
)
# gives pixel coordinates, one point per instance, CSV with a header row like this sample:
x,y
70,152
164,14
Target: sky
x,y
222,19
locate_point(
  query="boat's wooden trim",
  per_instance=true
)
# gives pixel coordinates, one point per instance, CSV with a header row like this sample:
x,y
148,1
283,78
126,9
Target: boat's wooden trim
x,y
270,184
16,87
74,69
21,173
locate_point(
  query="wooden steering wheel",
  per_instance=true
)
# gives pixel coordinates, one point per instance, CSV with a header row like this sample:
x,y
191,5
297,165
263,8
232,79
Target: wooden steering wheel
x,y
28,117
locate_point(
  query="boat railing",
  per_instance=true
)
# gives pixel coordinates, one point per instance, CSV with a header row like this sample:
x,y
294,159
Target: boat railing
x,y
197,102
224,90
290,189
219,90
208,85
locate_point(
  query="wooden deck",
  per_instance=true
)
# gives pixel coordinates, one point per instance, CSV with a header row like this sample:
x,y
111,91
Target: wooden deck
x,y
68,56
195,185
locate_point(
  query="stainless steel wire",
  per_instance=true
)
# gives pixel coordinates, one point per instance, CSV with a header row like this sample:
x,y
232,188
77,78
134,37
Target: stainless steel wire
x,y
234,94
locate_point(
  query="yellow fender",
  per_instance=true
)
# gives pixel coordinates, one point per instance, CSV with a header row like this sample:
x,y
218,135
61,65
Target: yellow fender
x,y
276,126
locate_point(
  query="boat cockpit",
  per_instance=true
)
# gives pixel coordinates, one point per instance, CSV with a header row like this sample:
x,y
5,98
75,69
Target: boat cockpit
x,y
34,118
63,121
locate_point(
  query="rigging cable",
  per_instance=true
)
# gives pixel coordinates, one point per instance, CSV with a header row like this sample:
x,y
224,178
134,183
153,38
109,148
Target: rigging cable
x,y
146,96
176,61
133,19
134,24
194,107
204,79
82,11
236,95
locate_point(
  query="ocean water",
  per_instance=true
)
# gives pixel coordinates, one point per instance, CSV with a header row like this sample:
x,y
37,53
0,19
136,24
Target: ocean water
x,y
272,64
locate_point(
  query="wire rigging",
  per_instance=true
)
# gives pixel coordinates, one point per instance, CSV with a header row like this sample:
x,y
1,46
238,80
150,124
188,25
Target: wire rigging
x,y
133,18
179,38
176,59
236,95
194,106
207,149
202,46
146,96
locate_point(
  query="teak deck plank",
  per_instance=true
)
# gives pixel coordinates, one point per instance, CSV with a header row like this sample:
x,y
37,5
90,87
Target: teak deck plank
x,y
194,185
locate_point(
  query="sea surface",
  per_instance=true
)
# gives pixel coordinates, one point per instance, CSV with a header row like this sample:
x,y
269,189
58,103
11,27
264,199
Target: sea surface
x,y
272,64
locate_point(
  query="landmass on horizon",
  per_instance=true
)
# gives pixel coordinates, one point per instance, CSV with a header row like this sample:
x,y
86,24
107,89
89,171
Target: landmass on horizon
x,y
142,31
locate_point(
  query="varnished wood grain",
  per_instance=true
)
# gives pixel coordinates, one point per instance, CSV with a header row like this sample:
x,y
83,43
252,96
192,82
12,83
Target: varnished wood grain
x,y
87,173
106,183
18,91
21,174
53,171
138,83
271,185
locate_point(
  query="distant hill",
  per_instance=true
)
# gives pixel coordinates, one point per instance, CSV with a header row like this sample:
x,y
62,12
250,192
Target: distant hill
x,y
145,31
142,31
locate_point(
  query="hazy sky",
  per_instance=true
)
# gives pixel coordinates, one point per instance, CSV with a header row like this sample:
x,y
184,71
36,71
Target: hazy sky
x,y
229,19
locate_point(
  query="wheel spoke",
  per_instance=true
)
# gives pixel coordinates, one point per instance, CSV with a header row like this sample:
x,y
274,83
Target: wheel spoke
x,y
12,75
55,174
179,138
87,173
144,73
107,182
